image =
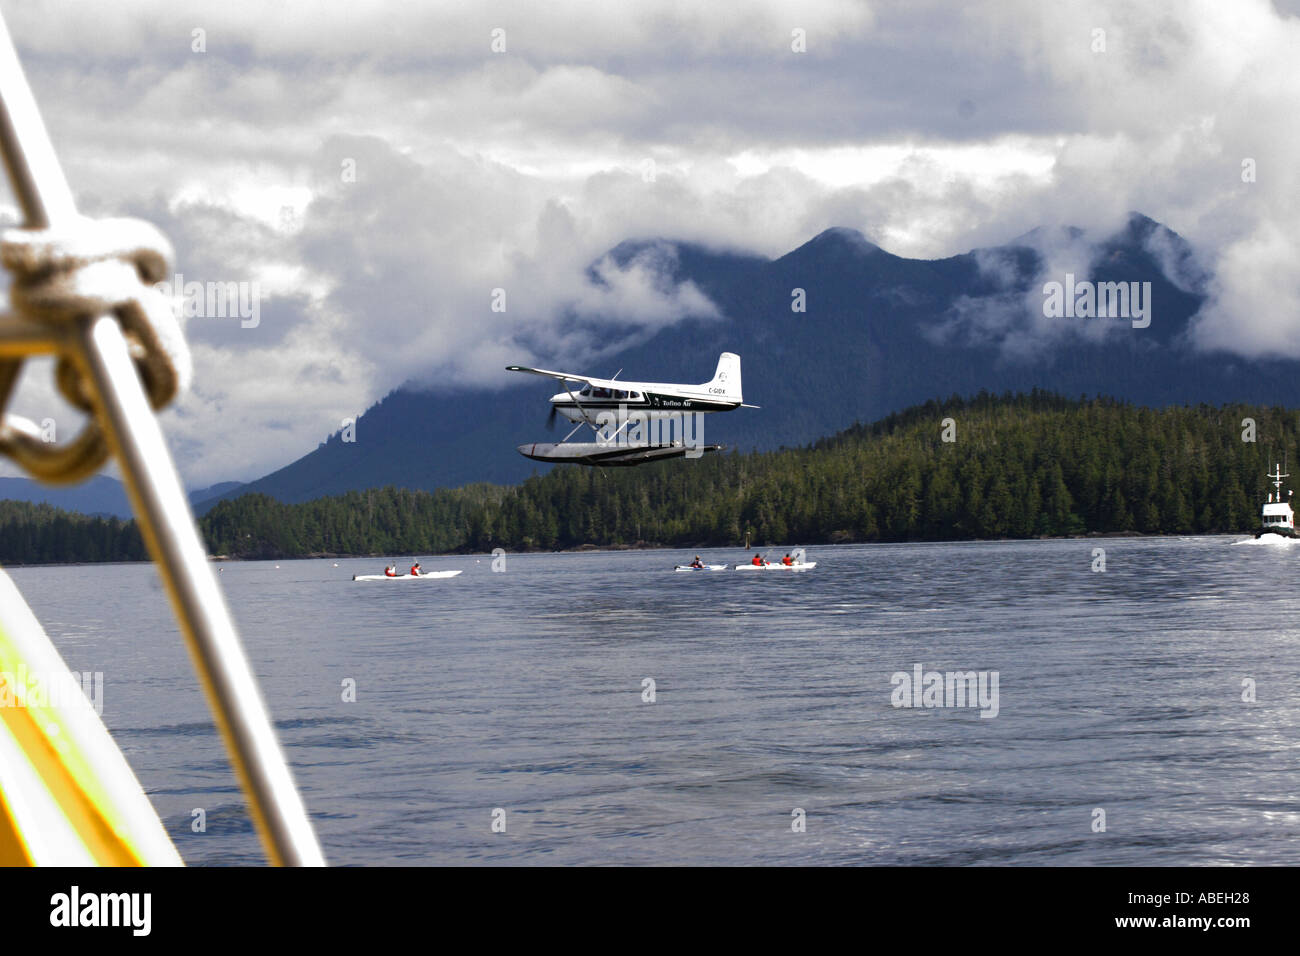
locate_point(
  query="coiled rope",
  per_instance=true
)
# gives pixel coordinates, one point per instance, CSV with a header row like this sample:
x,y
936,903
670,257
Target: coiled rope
x,y
73,274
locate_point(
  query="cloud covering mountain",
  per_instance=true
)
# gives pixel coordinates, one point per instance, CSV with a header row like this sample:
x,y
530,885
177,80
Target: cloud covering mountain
x,y
381,172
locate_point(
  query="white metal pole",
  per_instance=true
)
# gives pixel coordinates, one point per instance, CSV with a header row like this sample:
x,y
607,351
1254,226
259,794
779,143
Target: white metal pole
x,y
159,501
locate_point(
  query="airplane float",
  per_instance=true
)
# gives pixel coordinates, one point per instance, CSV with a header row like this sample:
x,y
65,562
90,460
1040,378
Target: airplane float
x,y
635,422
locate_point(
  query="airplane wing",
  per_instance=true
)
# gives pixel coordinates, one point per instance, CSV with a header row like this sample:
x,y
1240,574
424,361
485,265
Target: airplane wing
x,y
558,376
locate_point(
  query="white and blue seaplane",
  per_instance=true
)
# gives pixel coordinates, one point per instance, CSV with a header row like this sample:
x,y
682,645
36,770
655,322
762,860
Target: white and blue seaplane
x,y
635,422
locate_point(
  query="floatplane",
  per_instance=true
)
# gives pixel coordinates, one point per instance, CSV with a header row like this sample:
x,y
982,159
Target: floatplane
x,y
635,422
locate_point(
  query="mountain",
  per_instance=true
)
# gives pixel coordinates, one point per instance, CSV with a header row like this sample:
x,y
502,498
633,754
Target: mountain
x,y
880,333
212,492
101,495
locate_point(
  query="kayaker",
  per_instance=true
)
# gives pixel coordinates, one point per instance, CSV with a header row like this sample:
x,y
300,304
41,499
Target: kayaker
x,y
415,570
697,563
390,571
758,561
787,561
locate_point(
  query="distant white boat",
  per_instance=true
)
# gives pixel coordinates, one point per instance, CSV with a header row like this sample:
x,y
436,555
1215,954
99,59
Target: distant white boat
x,y
777,566
1277,517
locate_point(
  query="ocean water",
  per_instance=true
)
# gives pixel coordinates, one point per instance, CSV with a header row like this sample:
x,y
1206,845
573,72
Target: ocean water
x,y
523,691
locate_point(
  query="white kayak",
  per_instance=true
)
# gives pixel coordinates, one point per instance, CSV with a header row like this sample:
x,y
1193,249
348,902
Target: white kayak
x,y
426,576
707,567
777,566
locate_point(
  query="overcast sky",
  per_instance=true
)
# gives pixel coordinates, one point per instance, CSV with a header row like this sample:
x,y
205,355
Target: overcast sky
x,y
934,128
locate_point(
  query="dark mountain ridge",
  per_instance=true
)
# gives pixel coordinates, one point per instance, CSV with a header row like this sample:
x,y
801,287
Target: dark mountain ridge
x,y
880,333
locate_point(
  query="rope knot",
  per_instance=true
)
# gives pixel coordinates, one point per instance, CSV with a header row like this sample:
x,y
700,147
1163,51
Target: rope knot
x,y
91,267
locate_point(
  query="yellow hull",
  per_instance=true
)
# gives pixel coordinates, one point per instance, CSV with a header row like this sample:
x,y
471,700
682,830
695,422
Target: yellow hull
x,y
67,795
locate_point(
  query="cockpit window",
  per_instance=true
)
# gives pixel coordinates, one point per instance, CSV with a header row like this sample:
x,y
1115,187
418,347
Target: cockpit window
x,y
586,390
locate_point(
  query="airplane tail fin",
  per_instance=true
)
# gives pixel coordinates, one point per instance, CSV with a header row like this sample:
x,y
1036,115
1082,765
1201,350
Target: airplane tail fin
x,y
727,377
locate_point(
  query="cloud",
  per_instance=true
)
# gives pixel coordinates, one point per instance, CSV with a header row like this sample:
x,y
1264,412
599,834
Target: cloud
x,y
1009,313
1010,310
1254,307
934,129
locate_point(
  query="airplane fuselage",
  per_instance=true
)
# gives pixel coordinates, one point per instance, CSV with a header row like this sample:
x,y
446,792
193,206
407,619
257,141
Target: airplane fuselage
x,y
652,400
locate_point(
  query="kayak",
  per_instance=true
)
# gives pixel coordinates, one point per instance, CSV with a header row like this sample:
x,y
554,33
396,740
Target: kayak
x,y
426,576
707,567
777,566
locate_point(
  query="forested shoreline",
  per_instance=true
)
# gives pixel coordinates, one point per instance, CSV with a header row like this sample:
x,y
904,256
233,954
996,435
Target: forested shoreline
x,y
41,534
1008,466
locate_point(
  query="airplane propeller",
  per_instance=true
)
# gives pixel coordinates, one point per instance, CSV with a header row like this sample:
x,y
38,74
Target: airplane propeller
x,y
550,419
